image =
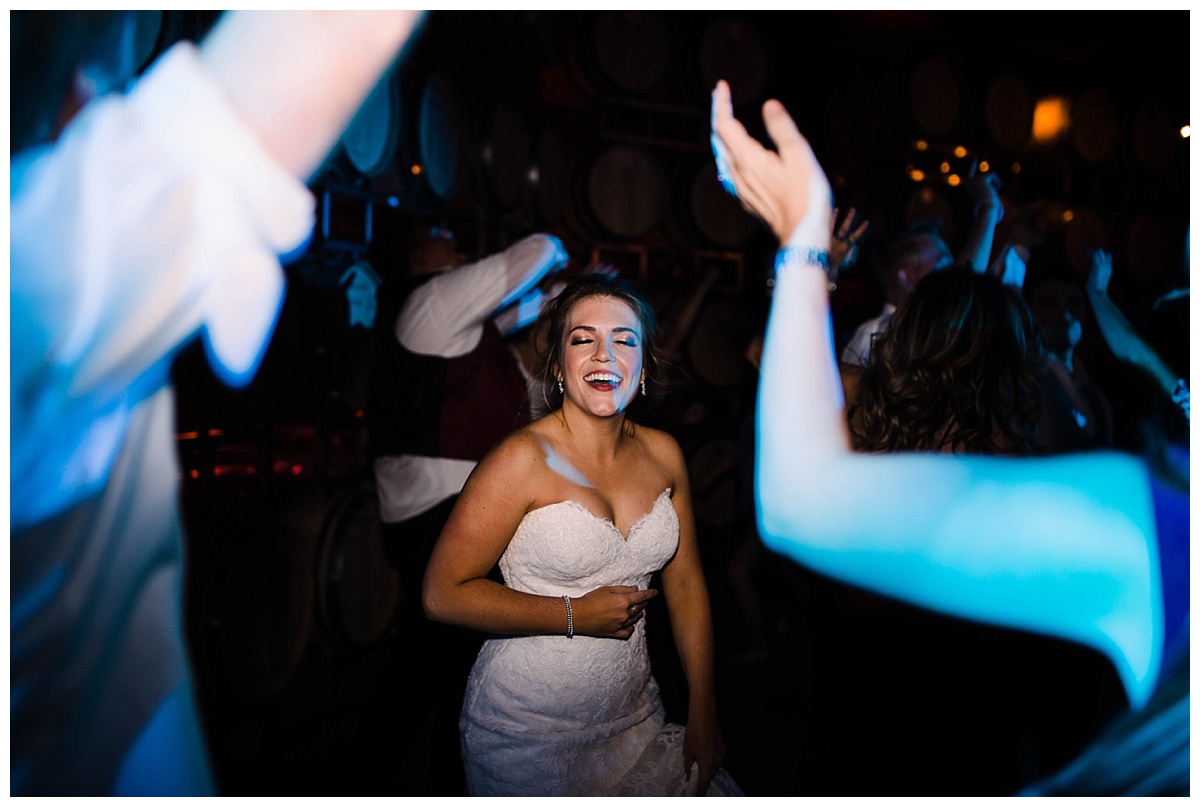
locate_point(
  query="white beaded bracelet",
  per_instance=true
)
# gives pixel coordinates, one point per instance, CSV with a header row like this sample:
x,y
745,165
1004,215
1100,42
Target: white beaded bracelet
x,y
570,619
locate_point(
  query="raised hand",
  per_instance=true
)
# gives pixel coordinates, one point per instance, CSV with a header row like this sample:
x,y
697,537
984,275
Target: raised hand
x,y
843,249
784,188
1101,272
984,192
603,269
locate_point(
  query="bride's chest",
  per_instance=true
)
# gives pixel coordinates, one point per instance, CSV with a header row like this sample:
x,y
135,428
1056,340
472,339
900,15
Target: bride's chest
x,y
566,540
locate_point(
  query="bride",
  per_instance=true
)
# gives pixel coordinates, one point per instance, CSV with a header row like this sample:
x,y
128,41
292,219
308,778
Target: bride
x,y
580,508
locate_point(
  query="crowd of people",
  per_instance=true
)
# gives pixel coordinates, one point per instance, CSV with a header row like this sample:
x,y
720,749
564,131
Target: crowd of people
x,y
954,454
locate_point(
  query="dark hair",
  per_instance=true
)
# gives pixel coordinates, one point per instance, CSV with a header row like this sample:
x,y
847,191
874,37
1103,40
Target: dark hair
x,y
552,325
953,370
909,243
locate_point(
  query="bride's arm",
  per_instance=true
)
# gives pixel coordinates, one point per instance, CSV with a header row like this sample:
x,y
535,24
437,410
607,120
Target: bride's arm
x,y
690,612
493,501
1062,546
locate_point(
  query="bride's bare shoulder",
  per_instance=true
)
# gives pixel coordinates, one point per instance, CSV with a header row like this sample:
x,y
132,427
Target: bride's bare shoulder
x,y
519,450
662,448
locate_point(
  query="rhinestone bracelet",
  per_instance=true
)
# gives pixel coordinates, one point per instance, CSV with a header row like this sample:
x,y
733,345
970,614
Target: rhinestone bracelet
x,y
806,255
570,619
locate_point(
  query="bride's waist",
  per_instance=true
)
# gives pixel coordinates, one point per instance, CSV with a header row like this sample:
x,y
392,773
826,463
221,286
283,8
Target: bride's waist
x,y
561,663
543,681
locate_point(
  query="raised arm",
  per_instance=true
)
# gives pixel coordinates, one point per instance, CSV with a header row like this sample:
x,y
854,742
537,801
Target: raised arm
x,y
297,77
1063,546
1122,338
160,213
689,607
445,315
984,193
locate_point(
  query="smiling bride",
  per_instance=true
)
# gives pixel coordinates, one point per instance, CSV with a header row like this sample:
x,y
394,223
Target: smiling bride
x,y
580,508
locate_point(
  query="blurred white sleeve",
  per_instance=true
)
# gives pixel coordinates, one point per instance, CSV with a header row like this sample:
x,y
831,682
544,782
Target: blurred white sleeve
x,y
445,315
156,215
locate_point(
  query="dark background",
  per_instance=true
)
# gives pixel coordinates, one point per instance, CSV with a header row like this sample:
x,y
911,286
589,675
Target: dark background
x,y
300,651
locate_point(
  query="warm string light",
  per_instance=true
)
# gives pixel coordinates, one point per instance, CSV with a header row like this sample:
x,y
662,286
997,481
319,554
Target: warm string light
x,y
953,169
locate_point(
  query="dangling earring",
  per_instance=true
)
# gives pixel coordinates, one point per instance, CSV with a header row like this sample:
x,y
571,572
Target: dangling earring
x,y
560,387
643,385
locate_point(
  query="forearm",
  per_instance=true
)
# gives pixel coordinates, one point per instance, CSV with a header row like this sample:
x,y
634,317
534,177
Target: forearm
x,y
976,251
297,77
691,626
1125,343
528,261
485,605
799,371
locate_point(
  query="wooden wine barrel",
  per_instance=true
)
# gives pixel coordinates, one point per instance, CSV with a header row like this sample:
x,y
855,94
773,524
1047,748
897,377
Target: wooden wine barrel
x,y
623,191
254,607
371,138
357,590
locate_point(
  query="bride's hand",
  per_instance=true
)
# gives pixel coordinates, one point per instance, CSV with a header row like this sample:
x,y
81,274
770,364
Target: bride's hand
x,y
703,746
611,611
786,189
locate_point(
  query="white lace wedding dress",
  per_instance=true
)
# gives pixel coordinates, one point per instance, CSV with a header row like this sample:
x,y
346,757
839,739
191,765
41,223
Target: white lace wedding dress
x,y
552,716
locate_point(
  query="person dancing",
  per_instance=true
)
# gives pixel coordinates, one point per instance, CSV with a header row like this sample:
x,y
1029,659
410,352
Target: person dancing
x,y
1088,548
580,509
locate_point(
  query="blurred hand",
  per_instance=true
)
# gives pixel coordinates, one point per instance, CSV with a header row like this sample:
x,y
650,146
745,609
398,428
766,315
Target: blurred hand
x,y
1011,270
843,249
1101,272
785,189
703,747
984,192
606,270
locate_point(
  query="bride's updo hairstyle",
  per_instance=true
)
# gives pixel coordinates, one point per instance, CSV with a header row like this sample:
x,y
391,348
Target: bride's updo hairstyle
x,y
552,327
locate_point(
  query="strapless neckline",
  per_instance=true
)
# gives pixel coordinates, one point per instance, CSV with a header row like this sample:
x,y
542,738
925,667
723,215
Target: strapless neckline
x,y
664,496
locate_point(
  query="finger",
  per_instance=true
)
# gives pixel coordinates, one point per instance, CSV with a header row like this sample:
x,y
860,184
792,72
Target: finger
x,y
730,140
721,114
781,128
733,136
643,596
859,231
721,102
689,760
720,109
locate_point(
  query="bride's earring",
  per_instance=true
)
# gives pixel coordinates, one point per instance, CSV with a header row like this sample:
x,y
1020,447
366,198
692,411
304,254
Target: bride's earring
x,y
560,387
643,385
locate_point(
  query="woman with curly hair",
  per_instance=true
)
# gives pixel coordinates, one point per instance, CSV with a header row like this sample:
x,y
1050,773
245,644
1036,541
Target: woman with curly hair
x,y
953,372
1088,549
